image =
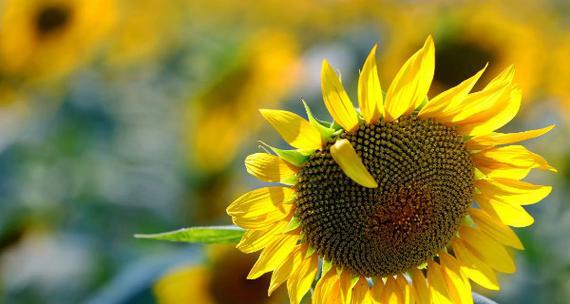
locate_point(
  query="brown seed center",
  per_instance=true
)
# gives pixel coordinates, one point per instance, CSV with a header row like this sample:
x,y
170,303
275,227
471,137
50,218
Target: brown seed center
x,y
425,179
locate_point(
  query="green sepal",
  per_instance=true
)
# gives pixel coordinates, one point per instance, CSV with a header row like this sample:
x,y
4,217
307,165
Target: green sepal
x,y
423,104
204,235
294,223
354,280
423,265
295,157
310,251
291,180
326,132
327,265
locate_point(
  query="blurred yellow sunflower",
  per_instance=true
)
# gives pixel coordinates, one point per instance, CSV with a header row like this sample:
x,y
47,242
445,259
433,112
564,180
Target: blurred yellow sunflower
x,y
146,29
469,35
401,201
559,70
222,280
46,39
260,76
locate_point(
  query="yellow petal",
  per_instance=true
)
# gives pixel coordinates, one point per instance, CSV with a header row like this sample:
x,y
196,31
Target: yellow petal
x,y
406,289
345,156
473,267
336,100
261,208
411,84
437,284
505,77
361,292
420,286
260,201
391,293
304,273
285,270
270,168
369,90
295,130
327,289
273,255
494,139
513,191
495,117
451,100
495,229
510,157
377,291
346,282
458,287
255,240
487,249
508,213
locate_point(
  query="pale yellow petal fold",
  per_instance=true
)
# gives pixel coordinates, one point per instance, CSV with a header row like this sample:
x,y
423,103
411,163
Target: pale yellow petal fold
x,y
261,208
270,168
437,284
420,285
370,99
487,249
457,285
513,191
494,139
495,229
295,130
255,240
260,201
450,99
473,267
411,84
273,255
336,100
345,156
303,275
508,213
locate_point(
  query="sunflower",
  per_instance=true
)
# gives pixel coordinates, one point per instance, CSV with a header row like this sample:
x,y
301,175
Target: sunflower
x,y
145,29
46,39
471,34
221,280
403,200
264,70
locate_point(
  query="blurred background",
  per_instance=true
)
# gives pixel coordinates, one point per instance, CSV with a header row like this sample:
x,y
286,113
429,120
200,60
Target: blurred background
x,y
133,116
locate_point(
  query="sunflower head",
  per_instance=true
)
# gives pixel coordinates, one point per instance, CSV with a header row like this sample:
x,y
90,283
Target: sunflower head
x,y
404,200
46,39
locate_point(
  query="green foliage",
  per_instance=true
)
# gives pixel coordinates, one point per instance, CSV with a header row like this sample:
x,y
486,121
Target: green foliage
x,y
204,235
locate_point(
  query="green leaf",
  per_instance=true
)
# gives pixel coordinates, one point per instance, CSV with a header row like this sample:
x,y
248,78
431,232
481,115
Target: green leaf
x,y
326,133
204,235
295,157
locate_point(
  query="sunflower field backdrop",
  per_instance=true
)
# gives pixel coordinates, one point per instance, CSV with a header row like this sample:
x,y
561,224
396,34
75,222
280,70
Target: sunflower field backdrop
x,y
120,117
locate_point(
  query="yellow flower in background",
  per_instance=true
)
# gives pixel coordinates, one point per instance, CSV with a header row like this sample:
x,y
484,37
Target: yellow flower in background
x,y
146,29
46,39
221,281
378,207
471,34
559,70
261,76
